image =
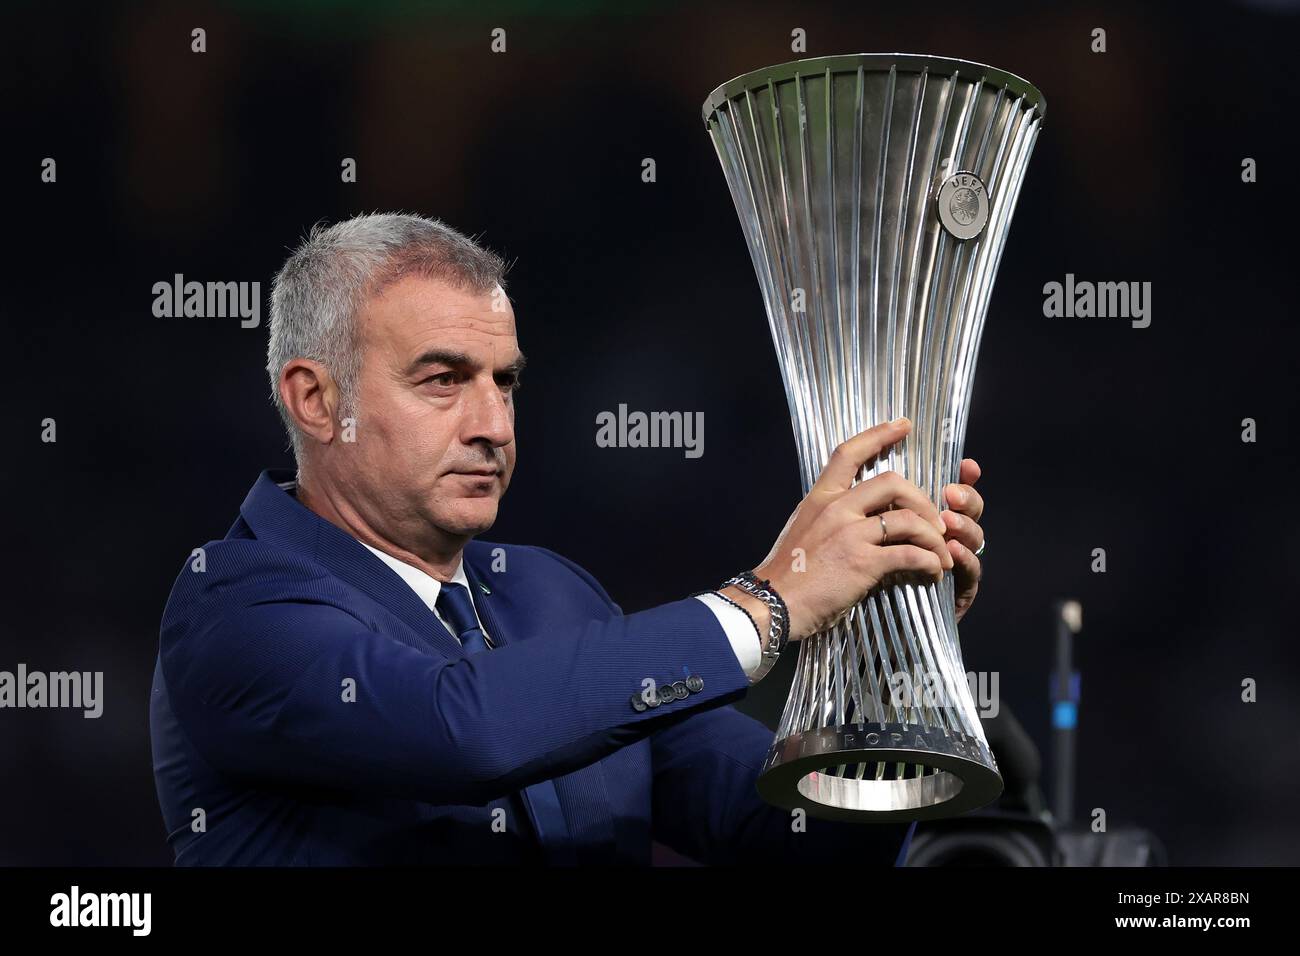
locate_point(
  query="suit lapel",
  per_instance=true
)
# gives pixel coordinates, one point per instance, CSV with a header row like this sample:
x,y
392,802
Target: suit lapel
x,y
276,516
482,595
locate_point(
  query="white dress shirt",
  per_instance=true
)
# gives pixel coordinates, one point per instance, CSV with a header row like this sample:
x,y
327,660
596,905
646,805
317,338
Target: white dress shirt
x,y
737,625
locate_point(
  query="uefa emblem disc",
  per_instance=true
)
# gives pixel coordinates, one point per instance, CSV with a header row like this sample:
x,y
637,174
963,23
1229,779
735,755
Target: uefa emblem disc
x,y
963,205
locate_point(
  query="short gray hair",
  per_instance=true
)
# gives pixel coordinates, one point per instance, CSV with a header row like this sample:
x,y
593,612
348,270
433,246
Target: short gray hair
x,y
317,295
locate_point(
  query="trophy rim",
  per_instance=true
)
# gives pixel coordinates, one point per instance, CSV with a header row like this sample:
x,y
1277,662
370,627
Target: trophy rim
x,y
793,758
845,62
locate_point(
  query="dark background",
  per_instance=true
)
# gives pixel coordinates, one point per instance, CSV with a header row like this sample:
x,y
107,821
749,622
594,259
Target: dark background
x,y
1091,433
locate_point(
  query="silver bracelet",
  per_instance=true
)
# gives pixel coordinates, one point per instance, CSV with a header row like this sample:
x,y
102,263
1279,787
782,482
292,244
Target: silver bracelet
x,y
778,631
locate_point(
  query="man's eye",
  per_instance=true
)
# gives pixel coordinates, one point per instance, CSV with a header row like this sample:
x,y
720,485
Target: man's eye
x,y
443,378
510,382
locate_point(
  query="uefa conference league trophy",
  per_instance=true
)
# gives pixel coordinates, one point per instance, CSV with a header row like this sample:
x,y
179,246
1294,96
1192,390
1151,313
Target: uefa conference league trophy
x,y
875,193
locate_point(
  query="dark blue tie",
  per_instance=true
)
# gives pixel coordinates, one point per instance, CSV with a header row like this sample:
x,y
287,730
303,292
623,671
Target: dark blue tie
x,y
457,609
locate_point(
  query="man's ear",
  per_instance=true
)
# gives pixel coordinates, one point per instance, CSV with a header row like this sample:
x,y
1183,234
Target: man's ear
x,y
309,393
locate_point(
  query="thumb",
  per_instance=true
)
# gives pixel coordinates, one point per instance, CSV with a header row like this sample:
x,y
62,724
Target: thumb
x,y
849,457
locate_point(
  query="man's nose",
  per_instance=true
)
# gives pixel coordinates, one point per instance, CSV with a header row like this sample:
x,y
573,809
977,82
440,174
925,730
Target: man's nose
x,y
488,416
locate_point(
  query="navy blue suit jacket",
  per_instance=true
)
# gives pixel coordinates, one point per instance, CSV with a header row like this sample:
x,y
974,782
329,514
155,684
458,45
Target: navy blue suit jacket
x,y
251,722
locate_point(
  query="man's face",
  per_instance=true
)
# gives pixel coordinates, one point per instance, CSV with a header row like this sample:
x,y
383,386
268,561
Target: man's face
x,y
435,444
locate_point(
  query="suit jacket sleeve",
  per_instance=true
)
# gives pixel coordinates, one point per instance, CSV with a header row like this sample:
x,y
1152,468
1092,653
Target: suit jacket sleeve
x,y
294,690
706,805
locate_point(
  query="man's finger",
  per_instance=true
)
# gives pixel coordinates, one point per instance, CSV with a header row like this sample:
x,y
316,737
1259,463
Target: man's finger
x,y
966,575
963,529
890,489
906,526
970,471
849,457
964,499
966,567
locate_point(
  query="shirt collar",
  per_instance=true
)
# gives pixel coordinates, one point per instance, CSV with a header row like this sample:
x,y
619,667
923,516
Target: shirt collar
x,y
424,585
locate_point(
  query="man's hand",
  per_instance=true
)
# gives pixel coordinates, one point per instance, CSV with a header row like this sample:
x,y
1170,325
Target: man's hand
x,y
835,549
963,533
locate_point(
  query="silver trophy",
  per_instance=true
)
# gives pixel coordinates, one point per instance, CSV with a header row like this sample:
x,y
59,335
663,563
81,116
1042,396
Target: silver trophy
x,y
875,192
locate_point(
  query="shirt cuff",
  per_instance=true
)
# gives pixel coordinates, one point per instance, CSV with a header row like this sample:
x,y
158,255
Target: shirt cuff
x,y
740,630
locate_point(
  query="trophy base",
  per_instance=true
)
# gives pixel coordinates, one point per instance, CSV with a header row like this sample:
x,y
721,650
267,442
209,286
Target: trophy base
x,y
875,773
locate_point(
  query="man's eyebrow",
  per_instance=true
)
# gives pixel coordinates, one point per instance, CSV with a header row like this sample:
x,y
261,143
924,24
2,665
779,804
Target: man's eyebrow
x,y
451,357
437,357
